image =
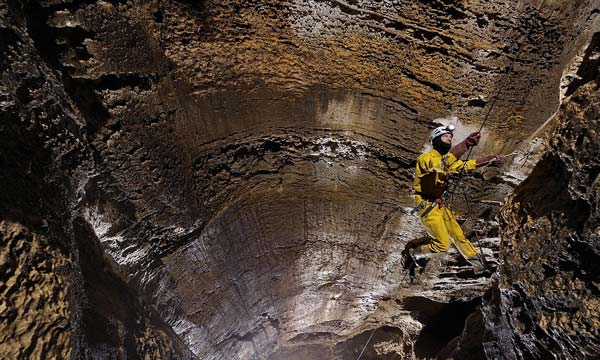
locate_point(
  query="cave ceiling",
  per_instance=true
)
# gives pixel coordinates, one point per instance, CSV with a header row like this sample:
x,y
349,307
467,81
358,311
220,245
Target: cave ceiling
x,y
254,160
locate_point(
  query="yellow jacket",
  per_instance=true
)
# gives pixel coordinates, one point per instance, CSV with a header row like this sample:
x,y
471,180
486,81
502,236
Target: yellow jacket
x,y
433,169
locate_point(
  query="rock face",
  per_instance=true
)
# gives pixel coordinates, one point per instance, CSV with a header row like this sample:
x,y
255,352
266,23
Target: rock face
x,y
225,179
60,298
35,310
545,299
548,295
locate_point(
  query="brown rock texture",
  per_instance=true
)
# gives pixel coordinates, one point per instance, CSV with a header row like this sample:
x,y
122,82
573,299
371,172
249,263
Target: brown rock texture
x,y
34,310
231,179
549,292
60,298
545,301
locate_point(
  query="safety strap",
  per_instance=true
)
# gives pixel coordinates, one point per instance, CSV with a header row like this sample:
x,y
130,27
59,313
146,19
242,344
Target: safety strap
x,y
430,207
428,210
418,207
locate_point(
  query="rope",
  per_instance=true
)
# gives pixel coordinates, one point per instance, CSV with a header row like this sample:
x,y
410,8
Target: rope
x,y
368,341
451,190
495,98
508,71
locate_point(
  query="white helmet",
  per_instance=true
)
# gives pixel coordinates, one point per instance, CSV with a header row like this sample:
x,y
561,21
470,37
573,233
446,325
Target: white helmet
x,y
441,130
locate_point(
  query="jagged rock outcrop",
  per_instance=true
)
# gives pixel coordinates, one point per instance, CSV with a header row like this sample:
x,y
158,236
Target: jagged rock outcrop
x,y
544,303
59,297
233,178
548,295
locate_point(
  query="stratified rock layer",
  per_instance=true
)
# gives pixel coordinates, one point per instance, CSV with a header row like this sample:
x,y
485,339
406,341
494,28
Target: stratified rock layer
x,y
237,175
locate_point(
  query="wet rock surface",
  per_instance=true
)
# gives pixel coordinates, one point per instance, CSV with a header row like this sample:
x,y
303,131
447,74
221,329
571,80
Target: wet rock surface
x,y
232,180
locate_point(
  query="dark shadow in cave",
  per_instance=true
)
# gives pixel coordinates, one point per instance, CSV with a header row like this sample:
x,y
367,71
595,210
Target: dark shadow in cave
x,y
352,348
53,43
442,322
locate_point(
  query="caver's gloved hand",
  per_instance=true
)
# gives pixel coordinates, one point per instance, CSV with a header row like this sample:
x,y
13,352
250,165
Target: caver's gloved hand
x,y
473,139
491,160
459,149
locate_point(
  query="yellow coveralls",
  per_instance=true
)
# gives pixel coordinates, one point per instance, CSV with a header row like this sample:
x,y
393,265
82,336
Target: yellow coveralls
x,y
431,180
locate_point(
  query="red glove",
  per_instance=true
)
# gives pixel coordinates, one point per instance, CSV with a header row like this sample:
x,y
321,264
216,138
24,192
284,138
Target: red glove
x,y
489,160
439,202
459,149
473,139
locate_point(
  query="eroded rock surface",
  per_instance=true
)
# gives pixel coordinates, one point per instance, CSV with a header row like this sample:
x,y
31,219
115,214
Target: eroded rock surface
x,y
549,294
59,296
545,301
233,178
35,311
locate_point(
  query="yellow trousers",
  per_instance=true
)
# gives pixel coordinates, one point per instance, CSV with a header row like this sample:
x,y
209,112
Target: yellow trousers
x,y
442,225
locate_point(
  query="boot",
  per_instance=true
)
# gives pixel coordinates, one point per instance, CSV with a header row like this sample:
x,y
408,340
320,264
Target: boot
x,y
478,267
418,257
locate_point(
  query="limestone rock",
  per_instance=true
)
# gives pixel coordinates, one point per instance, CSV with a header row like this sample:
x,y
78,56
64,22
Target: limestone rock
x,y
227,179
545,300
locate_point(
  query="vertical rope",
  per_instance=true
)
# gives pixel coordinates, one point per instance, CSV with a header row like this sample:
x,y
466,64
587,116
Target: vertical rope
x,y
506,76
495,98
368,341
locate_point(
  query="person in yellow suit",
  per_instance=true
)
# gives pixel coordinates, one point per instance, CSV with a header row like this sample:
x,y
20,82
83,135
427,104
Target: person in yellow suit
x,y
430,184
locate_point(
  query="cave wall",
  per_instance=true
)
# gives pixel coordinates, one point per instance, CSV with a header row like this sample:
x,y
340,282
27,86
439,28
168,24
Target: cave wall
x,y
548,294
60,295
35,310
544,302
237,175
38,150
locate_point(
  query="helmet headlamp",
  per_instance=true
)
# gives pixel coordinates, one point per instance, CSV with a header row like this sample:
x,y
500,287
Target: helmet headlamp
x,y
441,130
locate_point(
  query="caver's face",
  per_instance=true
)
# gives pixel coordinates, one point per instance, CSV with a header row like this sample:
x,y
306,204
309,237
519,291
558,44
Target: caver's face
x,y
447,138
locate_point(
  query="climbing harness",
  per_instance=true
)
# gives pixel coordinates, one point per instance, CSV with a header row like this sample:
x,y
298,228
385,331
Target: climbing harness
x,y
424,205
429,208
418,208
433,204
